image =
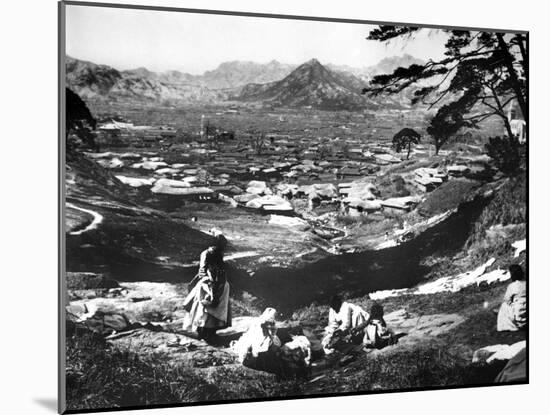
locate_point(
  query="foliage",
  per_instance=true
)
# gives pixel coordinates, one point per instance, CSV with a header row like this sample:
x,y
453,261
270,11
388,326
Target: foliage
x,y
79,122
481,73
505,152
258,141
447,122
404,139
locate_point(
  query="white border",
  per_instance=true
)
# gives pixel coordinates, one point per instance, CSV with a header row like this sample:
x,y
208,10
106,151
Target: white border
x,y
29,208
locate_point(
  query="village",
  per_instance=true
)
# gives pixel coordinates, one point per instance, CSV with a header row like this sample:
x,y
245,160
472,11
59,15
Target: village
x,y
329,186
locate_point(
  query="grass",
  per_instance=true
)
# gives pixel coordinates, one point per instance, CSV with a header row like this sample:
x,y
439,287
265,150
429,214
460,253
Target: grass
x,y
508,206
418,367
447,196
101,377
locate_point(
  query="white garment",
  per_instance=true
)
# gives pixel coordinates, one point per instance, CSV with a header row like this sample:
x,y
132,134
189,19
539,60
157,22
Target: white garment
x,y
519,129
349,317
198,314
255,341
512,314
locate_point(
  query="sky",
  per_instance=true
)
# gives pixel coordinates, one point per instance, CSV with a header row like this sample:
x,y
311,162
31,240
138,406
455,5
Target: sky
x,y
194,43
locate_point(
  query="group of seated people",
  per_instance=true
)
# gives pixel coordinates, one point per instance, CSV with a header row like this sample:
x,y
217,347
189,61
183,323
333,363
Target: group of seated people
x,y
349,327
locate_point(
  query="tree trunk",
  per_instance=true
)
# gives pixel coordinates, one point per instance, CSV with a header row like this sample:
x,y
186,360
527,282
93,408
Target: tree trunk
x,y
509,61
523,51
409,150
437,146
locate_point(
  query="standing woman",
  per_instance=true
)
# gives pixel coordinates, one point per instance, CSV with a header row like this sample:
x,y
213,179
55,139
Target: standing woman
x,y
208,301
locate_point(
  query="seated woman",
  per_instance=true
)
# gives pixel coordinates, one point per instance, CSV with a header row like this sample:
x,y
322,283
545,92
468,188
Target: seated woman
x,y
343,318
512,315
376,333
259,347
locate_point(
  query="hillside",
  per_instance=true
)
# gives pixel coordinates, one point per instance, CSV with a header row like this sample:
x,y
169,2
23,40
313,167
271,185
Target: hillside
x,y
311,84
93,81
101,82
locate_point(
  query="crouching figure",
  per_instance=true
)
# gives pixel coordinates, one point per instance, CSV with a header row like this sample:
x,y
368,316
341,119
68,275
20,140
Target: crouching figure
x,y
296,356
259,347
376,333
349,326
345,321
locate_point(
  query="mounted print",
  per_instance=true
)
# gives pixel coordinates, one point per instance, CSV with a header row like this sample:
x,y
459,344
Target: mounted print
x,y
258,207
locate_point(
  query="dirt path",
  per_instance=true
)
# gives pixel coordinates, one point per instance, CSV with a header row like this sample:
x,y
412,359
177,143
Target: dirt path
x,y
96,219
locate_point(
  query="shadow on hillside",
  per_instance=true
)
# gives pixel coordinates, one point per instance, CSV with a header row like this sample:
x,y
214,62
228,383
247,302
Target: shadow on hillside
x,y
287,288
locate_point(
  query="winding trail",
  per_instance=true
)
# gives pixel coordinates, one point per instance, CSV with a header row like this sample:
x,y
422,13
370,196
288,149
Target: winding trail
x,y
96,221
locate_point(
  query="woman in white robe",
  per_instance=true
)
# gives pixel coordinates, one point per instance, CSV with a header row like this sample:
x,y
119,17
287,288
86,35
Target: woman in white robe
x,y
207,303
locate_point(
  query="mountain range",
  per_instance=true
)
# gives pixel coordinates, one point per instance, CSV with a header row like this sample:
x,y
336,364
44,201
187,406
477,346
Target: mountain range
x,y
310,84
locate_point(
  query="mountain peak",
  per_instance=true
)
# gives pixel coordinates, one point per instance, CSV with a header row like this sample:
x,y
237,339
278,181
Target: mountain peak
x,y
312,62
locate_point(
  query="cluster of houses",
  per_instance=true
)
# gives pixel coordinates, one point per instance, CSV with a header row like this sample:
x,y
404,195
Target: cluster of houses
x,y
339,173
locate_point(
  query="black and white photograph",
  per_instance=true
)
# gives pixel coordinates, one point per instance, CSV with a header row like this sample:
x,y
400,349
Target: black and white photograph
x,y
261,207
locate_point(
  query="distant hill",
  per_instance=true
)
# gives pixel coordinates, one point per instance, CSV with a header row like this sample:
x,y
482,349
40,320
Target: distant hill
x,y
235,74
310,84
93,81
101,82
389,64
